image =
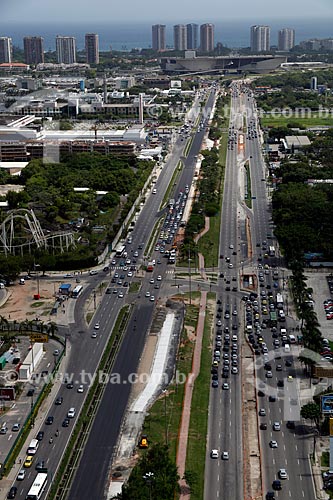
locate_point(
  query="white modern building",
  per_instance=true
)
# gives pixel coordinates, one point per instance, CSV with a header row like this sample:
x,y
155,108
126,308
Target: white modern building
x,y
260,38
66,49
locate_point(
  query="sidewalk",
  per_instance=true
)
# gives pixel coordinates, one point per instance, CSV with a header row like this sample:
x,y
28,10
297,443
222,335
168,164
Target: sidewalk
x,y
186,414
201,257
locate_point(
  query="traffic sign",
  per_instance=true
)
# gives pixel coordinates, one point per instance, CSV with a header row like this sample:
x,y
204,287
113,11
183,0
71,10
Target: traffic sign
x,y
327,404
39,337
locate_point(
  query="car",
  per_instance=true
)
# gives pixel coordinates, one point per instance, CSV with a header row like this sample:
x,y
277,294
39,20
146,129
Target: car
x,y
152,281
269,374
225,386
147,294
276,426
56,352
279,368
80,388
71,413
273,444
234,370
262,412
272,398
263,426
113,262
65,422
215,384
152,298
59,400
40,435
30,392
28,461
225,455
129,274
230,266
94,335
283,474
68,275
214,453
120,295
93,272
49,420
276,485
159,278
12,492
21,475
96,327
16,427
69,385
40,466
270,495
261,394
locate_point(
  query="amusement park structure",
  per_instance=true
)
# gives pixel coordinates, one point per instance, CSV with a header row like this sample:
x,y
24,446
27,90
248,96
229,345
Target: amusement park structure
x,y
21,232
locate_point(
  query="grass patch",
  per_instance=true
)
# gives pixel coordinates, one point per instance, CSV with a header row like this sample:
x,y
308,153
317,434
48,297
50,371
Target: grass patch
x,y
196,446
188,145
89,316
165,414
282,121
325,459
37,304
172,182
248,195
134,286
209,244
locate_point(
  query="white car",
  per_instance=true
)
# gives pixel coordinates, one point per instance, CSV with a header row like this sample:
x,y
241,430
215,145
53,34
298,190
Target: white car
x,y
120,295
80,388
231,246
159,278
129,274
214,453
283,474
234,370
225,455
147,294
276,426
273,444
225,386
152,298
71,413
93,272
21,475
230,265
96,325
94,335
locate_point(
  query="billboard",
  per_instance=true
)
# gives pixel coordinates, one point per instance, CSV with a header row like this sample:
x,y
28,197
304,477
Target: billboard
x,y
7,393
327,404
39,337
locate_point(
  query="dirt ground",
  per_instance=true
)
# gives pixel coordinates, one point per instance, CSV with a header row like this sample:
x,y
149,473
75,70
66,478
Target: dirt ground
x,y
20,305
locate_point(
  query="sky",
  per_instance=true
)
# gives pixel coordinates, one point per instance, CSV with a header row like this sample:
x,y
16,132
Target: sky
x,y
153,11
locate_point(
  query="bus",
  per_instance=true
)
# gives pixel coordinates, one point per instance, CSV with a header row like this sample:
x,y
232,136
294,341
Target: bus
x,y
271,251
38,487
77,291
272,319
120,249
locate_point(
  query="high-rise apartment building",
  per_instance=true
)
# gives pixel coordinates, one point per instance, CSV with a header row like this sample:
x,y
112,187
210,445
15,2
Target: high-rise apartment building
x,y
286,39
192,36
33,49
6,49
179,37
92,48
260,38
207,37
66,49
158,37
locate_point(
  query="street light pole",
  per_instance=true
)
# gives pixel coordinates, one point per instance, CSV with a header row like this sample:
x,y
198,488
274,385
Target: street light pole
x,y
189,271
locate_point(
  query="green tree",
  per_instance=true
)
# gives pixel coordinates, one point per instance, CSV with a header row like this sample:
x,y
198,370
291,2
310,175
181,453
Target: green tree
x,y
311,411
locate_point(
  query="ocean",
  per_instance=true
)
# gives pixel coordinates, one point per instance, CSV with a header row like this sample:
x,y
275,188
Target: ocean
x,y
122,36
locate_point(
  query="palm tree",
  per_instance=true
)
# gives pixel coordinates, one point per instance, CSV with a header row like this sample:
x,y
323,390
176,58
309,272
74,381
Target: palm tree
x,y
52,328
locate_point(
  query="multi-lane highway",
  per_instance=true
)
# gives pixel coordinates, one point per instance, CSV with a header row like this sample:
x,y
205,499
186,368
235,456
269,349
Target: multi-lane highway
x,y
279,405
223,477
292,452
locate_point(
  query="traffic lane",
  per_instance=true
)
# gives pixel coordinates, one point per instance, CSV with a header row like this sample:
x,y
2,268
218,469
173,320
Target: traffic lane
x,y
96,457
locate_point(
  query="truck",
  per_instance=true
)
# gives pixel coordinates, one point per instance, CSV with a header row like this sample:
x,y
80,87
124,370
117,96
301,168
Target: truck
x,y
279,300
150,267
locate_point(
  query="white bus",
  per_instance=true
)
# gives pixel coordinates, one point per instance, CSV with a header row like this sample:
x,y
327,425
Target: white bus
x,y
33,447
77,291
120,249
37,487
271,251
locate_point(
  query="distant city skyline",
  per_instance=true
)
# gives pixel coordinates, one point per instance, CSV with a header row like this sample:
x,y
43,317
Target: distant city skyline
x,y
82,11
